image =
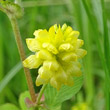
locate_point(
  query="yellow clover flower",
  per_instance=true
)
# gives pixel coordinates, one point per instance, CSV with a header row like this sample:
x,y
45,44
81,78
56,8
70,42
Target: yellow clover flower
x,y
56,53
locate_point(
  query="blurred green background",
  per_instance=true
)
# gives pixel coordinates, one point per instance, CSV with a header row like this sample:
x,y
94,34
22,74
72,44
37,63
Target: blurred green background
x,y
90,17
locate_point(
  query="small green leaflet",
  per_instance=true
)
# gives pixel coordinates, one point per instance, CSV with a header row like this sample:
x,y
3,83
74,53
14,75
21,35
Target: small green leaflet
x,y
22,98
55,98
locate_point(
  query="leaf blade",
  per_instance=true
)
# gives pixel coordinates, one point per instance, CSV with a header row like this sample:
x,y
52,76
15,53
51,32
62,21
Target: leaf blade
x,y
54,98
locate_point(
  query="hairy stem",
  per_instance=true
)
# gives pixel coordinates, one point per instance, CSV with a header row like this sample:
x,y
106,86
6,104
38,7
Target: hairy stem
x,y
22,56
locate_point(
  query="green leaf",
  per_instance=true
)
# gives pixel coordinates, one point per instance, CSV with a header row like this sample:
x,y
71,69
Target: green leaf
x,y
54,98
22,100
10,75
8,107
56,108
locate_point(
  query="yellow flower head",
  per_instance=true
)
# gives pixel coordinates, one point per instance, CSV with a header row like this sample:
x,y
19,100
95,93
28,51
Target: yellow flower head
x,y
56,52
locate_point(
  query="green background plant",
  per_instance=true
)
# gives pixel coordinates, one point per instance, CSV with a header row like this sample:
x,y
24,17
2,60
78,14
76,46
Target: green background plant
x,y
84,15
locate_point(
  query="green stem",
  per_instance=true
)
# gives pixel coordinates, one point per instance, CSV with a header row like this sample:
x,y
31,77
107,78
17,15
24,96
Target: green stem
x,y
22,56
41,93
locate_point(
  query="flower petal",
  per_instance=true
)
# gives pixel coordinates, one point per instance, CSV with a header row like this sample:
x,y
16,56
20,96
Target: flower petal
x,y
64,27
74,34
51,65
80,43
44,55
32,62
61,76
36,33
43,36
81,53
72,68
50,48
66,47
67,31
45,73
52,31
40,81
70,56
33,44
55,84
58,38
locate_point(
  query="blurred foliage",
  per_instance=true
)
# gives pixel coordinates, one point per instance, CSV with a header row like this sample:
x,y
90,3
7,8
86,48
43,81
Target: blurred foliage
x,y
43,14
